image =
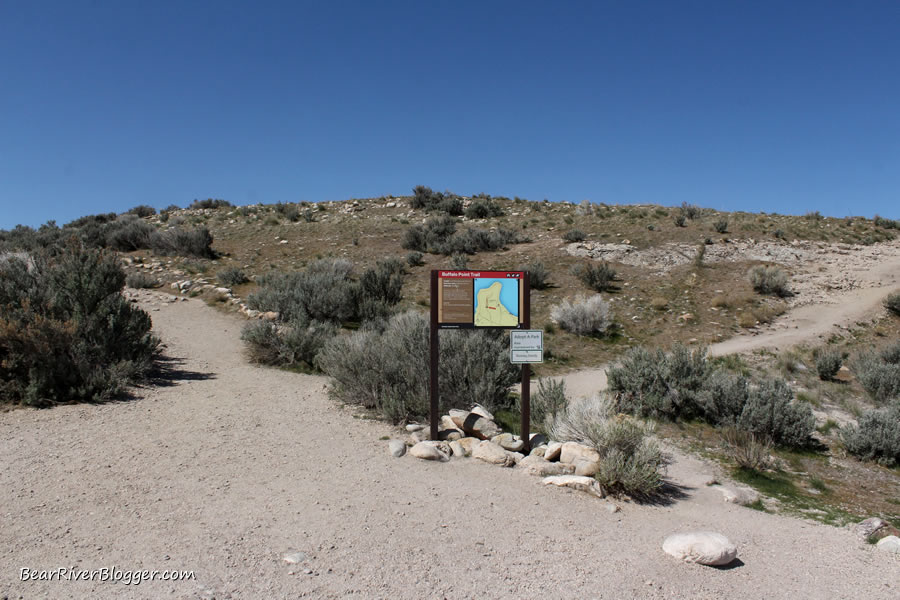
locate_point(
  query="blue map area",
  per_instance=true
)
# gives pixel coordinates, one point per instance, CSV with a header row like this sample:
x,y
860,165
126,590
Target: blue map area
x,y
509,293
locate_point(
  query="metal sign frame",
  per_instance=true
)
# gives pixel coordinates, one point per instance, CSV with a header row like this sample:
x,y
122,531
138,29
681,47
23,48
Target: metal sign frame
x,y
434,343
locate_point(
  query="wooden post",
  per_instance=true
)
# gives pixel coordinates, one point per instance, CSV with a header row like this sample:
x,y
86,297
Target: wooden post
x,y
526,368
434,351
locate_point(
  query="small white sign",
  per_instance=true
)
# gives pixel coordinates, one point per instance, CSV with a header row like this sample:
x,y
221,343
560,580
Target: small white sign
x,y
526,346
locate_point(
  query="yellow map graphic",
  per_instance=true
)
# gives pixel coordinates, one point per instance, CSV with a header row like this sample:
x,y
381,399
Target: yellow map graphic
x,y
489,312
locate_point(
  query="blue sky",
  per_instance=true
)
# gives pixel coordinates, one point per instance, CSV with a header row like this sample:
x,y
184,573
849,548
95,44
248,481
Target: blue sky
x,y
775,106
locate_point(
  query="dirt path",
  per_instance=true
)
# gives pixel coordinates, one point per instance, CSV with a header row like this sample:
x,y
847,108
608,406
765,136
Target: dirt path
x,y
228,467
810,321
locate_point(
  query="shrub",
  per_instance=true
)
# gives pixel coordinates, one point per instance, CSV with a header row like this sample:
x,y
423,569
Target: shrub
x,y
66,332
172,208
127,235
780,234
548,403
142,211
141,280
209,203
879,374
631,462
886,223
746,449
828,362
877,437
459,261
656,384
680,220
584,316
324,292
232,276
723,397
691,211
386,370
770,413
585,208
769,280
289,345
380,289
426,198
185,242
892,303
483,208
575,235
439,236
289,211
597,276
414,258
721,226
537,275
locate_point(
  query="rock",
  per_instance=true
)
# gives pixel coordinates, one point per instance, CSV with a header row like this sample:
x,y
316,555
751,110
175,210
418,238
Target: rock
x,y
493,454
482,412
535,465
890,543
743,496
573,451
397,448
419,436
414,427
508,441
447,423
269,315
450,435
294,557
844,375
538,439
703,547
539,451
588,468
469,443
577,482
457,450
428,451
475,425
611,508
867,528
517,457
554,449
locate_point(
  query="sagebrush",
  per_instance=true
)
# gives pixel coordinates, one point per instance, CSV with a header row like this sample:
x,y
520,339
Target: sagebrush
x,y
583,315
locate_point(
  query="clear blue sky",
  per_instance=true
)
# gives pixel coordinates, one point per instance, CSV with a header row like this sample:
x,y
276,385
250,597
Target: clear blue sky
x,y
785,106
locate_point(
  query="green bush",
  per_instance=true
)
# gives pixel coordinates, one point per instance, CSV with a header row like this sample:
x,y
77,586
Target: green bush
x,y
232,276
538,275
439,236
879,373
483,208
286,345
66,332
575,235
140,280
459,261
723,397
387,370
691,211
721,226
877,437
892,303
185,242
414,258
828,363
209,203
548,403
680,220
426,198
631,462
129,234
142,211
769,280
380,289
583,316
660,385
770,413
886,223
597,276
288,211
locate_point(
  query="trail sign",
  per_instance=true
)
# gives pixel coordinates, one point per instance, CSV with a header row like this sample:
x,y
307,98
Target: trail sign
x,y
526,346
469,298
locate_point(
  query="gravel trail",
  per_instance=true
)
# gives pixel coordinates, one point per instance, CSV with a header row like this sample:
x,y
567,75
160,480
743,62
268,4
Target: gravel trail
x,y
227,467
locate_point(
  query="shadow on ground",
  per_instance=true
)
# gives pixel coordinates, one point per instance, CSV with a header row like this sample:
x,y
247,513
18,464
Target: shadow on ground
x,y
168,371
668,494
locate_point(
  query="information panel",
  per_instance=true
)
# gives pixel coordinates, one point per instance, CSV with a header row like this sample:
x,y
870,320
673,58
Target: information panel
x,y
480,299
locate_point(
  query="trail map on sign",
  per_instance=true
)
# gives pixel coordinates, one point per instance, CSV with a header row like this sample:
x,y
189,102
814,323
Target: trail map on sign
x,y
496,302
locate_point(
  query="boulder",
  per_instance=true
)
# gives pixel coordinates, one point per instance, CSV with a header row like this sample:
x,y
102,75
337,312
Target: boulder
x,y
469,443
397,448
419,436
553,451
450,435
702,547
573,451
493,454
482,412
535,465
508,441
743,496
428,451
588,468
457,450
447,423
867,528
890,543
414,427
538,439
475,425
539,451
576,482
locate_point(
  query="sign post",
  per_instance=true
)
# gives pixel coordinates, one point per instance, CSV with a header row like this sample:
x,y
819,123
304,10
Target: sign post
x,y
470,299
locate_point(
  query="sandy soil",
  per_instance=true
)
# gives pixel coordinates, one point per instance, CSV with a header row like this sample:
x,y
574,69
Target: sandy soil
x,y
227,467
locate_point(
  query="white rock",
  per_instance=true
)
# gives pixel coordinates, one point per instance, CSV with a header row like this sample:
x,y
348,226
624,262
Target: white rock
x,y
493,454
448,424
397,448
294,557
508,441
573,451
866,528
577,482
415,427
482,411
588,468
703,547
890,543
535,465
553,451
428,451
469,443
457,449
742,496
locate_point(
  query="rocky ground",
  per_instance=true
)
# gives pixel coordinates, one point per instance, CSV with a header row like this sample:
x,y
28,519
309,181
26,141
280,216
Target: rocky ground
x,y
228,469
